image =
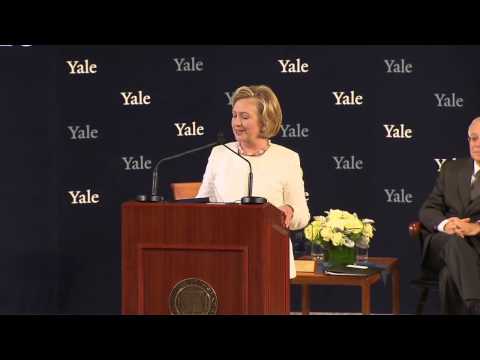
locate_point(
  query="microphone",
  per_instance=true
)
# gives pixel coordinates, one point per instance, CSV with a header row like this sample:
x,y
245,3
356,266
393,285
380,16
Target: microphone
x,y
247,200
155,197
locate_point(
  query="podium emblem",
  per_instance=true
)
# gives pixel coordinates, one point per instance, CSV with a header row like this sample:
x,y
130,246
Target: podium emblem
x,y
193,297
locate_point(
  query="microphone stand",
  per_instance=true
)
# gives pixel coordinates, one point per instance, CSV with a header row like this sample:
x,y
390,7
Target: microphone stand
x,y
155,197
249,200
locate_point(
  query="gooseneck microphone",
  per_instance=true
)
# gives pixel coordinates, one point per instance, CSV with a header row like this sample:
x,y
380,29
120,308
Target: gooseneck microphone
x,y
155,197
247,200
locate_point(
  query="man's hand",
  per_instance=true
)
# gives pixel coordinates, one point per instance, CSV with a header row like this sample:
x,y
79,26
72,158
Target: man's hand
x,y
464,227
451,225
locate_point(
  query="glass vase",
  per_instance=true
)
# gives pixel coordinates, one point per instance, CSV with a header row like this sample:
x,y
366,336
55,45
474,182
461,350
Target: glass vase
x,y
318,252
362,254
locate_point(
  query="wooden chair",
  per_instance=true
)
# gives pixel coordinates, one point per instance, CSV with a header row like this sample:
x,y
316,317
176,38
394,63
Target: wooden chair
x,y
427,279
186,190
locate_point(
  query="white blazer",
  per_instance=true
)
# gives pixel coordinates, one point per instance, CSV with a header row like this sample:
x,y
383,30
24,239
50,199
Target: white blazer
x,y
277,176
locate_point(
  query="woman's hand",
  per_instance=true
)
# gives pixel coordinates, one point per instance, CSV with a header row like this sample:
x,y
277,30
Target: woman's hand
x,y
287,214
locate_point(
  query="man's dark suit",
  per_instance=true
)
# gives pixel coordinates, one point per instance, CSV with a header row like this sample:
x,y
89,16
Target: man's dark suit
x,y
456,260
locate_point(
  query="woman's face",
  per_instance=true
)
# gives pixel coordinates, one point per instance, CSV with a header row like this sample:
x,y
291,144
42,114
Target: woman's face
x,y
245,121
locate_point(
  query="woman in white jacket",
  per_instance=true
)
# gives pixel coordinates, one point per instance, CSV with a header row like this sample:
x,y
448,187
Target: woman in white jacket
x,y
278,176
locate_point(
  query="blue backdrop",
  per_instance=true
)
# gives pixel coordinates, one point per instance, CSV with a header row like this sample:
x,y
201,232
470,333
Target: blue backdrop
x,y
82,125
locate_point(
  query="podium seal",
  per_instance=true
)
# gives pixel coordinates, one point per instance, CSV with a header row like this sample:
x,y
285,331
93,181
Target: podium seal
x,y
193,297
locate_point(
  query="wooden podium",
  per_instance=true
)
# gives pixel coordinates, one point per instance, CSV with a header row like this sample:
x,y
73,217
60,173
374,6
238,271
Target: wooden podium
x,y
204,258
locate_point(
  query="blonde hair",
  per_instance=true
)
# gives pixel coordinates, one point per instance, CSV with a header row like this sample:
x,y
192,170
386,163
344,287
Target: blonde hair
x,y
268,107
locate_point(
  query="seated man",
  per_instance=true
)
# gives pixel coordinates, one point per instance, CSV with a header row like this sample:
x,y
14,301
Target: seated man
x,y
451,216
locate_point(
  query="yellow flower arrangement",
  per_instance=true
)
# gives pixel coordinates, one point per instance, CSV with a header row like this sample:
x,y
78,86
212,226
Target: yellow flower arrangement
x,y
340,228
